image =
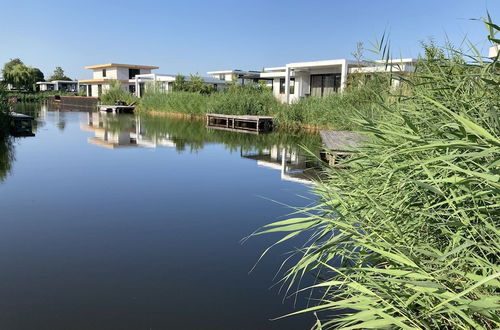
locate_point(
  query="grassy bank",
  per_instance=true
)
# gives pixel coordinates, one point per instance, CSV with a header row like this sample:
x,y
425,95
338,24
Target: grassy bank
x,y
33,96
408,237
334,111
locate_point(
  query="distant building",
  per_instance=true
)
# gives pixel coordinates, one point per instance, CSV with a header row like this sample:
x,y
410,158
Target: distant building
x,y
58,85
102,74
164,82
238,76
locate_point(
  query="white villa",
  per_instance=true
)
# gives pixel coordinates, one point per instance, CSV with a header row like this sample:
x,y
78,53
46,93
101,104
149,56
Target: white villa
x,y
164,82
320,78
238,76
58,85
102,74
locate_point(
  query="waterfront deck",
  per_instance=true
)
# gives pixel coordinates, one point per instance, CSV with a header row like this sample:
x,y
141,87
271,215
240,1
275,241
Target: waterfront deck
x,y
339,145
253,124
116,108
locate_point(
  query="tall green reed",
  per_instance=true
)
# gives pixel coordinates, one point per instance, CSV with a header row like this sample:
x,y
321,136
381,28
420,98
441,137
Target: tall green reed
x,y
407,237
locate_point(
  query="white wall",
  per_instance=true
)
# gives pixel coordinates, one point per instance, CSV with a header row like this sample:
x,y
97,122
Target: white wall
x,y
115,73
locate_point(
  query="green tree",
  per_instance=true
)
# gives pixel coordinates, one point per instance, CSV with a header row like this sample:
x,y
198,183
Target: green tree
x,y
59,75
20,76
180,83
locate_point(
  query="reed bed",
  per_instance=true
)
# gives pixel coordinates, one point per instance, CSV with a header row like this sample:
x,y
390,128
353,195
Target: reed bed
x,y
407,237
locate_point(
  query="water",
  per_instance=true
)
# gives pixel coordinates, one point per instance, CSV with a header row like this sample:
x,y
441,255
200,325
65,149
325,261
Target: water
x,y
121,222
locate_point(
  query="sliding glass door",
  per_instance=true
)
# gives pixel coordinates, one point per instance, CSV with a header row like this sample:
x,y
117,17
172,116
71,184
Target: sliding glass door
x,y
325,84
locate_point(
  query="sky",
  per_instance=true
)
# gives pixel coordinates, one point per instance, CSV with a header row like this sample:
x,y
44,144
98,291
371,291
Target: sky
x,y
196,36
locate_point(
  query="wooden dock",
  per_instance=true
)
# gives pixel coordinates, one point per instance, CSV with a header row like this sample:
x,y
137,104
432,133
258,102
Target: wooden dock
x,y
339,145
116,108
250,124
21,125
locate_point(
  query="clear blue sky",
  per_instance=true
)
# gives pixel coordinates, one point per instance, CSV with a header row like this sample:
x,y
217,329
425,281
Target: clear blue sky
x,y
191,36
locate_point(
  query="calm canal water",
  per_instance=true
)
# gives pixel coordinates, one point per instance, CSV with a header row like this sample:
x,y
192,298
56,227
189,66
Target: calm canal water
x,y
123,222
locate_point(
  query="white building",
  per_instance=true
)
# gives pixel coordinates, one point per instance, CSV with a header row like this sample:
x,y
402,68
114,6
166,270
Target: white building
x,y
102,74
238,76
58,85
321,78
164,82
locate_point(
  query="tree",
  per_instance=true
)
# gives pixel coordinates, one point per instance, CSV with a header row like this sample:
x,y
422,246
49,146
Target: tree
x,y
59,75
20,76
37,74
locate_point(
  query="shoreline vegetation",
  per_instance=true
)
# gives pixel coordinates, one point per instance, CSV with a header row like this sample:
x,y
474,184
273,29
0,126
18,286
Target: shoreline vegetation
x,y
408,237
330,112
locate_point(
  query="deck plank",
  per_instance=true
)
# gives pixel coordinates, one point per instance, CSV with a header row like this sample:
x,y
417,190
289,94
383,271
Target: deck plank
x,y
340,140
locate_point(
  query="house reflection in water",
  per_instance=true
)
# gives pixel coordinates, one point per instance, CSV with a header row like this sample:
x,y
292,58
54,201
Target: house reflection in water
x,y
118,131
289,161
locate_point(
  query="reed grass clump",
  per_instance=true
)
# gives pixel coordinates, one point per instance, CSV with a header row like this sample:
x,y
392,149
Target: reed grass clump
x,y
407,237
116,93
244,101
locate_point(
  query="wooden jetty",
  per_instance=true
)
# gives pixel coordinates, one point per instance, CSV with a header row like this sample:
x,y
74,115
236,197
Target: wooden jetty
x,y
21,125
116,108
250,124
339,145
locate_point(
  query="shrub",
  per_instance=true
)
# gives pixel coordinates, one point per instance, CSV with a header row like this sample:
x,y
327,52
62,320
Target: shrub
x,y
116,93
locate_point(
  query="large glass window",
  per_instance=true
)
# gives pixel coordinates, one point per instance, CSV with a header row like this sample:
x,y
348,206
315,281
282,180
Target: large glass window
x,y
325,84
292,86
133,72
104,73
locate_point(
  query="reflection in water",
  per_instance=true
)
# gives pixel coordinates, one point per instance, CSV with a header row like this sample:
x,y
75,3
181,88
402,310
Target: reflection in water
x,y
276,151
6,157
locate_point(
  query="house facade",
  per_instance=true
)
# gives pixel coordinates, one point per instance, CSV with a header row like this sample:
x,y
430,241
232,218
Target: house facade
x,y
322,78
103,74
238,76
165,82
58,85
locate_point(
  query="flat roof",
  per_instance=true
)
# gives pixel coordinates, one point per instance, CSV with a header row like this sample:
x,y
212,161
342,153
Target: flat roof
x,y
234,71
121,65
101,81
56,81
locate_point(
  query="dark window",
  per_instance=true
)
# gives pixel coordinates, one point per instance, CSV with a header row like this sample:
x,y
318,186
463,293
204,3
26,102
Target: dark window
x,y
104,73
325,84
99,90
133,72
292,86
131,88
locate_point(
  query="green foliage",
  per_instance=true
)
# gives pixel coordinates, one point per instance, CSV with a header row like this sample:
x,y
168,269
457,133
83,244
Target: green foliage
x,y
195,84
240,100
407,237
244,101
20,76
59,75
116,93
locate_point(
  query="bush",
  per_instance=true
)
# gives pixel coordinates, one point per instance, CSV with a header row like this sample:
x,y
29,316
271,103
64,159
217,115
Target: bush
x,y
116,93
244,101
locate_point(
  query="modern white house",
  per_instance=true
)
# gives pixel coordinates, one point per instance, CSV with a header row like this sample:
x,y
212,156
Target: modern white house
x,y
236,75
102,74
164,82
321,78
58,85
